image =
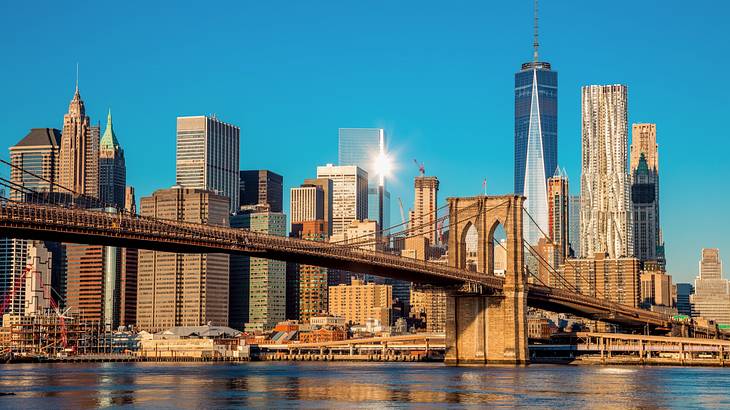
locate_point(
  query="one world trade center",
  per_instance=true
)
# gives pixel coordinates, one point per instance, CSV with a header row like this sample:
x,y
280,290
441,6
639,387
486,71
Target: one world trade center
x,y
536,139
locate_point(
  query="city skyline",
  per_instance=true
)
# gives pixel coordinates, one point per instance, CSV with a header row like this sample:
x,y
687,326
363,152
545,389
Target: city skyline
x,y
151,139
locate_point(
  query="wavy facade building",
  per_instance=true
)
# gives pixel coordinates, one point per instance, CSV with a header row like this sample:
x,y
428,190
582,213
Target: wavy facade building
x,y
605,221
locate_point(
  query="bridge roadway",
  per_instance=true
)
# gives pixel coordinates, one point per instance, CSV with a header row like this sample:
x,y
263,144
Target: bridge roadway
x,y
74,225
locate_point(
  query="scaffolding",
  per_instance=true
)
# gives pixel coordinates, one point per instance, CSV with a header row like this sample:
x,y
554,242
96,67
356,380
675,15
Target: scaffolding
x,y
48,335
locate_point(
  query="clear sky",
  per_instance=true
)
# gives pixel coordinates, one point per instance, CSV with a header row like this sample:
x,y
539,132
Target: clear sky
x,y
438,76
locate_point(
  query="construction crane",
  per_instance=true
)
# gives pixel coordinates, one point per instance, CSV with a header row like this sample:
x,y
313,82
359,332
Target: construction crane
x,y
421,168
402,212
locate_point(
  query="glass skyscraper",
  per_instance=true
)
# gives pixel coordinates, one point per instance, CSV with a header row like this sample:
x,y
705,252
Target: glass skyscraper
x,y
536,140
361,147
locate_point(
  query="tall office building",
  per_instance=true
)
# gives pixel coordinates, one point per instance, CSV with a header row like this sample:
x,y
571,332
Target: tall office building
x,y
13,258
349,194
182,289
112,169
266,278
262,187
574,224
38,154
79,155
101,283
711,299
207,156
306,204
367,148
536,138
130,263
605,195
125,311
85,282
326,185
119,264
425,204
559,216
645,208
310,287
643,142
644,160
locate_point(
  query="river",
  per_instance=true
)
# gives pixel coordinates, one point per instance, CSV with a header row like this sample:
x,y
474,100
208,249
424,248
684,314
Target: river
x,y
357,385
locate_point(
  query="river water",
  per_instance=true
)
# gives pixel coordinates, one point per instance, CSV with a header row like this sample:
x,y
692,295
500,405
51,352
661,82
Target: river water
x,y
358,385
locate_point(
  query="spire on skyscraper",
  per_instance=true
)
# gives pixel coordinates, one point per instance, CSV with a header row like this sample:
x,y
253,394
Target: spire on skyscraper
x,y
109,139
535,43
77,81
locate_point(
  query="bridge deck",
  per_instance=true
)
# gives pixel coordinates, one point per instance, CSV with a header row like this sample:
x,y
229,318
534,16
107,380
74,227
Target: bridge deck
x,y
63,224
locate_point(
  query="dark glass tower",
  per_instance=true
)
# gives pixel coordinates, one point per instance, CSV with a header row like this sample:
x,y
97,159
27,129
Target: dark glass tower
x,y
536,137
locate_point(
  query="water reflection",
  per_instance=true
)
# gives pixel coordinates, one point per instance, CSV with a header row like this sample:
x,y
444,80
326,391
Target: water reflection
x,y
275,385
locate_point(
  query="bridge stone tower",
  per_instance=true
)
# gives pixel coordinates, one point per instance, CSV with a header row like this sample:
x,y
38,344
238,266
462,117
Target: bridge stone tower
x,y
487,328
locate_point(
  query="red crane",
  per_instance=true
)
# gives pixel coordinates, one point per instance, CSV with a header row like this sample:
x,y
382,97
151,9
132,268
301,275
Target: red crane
x,y
421,168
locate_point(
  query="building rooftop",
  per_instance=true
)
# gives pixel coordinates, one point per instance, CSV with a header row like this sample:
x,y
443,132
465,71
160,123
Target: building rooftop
x,y
207,331
40,137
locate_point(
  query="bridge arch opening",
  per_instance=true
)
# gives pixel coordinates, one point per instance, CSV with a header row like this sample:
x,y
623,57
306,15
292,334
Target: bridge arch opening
x,y
496,243
470,248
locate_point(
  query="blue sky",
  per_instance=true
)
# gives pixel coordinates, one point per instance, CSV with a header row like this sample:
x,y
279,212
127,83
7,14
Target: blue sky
x,y
438,76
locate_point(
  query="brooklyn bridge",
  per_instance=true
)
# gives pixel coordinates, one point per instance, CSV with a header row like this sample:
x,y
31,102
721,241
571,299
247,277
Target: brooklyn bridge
x,y
486,314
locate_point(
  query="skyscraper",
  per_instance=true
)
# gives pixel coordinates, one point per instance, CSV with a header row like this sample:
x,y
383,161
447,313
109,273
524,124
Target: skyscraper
x,y
366,148
645,193
605,196
119,264
536,138
643,142
310,288
38,154
207,156
101,283
645,208
266,278
13,258
112,169
711,299
349,194
79,154
306,204
558,216
327,187
262,187
425,204
183,289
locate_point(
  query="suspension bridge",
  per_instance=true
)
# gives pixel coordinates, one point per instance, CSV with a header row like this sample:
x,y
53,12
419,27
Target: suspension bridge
x,y
486,314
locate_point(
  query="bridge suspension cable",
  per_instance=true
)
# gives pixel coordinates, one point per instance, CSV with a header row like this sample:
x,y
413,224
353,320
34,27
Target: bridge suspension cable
x,y
577,269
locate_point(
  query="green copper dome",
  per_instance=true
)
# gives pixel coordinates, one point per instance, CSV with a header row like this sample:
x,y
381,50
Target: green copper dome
x,y
109,139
